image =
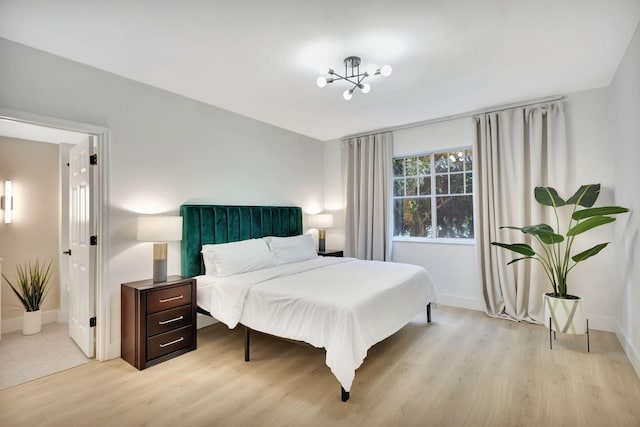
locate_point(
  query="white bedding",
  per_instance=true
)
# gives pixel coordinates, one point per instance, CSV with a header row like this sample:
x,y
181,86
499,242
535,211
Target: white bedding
x,y
341,304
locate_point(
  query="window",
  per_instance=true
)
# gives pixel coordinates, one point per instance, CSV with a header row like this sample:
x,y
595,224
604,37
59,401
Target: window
x,y
433,195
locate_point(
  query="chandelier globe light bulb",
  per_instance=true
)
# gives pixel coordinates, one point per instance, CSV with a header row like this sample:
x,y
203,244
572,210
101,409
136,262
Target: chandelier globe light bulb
x,y
386,70
321,82
371,69
365,87
347,94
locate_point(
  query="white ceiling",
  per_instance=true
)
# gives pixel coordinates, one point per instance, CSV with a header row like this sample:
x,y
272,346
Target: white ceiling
x,y
260,58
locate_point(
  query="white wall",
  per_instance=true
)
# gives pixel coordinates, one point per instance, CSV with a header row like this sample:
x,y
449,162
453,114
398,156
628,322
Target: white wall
x,y
452,265
165,150
33,234
625,147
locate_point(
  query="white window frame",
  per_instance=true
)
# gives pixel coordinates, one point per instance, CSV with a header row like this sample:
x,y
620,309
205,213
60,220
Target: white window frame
x,y
433,195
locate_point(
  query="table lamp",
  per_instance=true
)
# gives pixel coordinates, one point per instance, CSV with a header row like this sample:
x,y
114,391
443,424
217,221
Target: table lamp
x,y
321,222
160,230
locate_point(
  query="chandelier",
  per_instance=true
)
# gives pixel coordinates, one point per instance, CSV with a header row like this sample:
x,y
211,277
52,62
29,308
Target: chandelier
x,y
353,75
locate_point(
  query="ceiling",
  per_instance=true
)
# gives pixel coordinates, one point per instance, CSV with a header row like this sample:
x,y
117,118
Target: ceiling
x,y
260,58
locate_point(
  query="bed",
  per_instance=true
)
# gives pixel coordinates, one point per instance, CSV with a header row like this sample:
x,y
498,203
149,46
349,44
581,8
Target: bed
x,y
341,304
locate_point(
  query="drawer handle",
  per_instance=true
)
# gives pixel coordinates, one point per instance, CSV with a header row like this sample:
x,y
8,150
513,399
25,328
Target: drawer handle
x,y
172,342
164,322
172,298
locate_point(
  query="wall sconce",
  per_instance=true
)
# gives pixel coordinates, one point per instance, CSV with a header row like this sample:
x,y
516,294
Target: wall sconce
x,y
7,202
321,222
160,230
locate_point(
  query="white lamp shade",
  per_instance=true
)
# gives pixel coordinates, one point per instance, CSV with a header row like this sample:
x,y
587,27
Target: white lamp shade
x,y
321,221
159,228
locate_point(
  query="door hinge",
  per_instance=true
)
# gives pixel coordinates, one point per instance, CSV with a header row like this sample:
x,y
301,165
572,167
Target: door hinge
x,y
92,322
93,240
93,159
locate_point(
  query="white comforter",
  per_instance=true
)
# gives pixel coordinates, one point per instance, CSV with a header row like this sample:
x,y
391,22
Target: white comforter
x,y
342,304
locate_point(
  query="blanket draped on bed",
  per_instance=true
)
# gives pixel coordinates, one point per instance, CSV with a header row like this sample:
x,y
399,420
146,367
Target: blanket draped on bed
x,y
341,304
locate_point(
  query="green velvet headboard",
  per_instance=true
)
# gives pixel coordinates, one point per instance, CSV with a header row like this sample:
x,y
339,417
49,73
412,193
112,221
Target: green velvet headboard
x,y
205,224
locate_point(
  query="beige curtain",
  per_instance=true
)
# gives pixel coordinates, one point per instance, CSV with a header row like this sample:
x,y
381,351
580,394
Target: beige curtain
x,y
367,174
516,150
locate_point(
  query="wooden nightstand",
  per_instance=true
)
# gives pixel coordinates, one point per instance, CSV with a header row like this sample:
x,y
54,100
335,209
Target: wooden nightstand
x,y
330,252
158,320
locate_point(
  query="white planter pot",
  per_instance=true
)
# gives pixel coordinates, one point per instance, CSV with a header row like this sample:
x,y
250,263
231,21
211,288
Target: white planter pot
x,y
31,322
565,314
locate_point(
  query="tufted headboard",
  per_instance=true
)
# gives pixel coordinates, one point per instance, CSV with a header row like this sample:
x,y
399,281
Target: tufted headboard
x,y
205,224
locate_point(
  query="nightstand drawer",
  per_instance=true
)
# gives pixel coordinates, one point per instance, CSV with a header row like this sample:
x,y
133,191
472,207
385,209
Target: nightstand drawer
x,y
168,342
168,320
168,298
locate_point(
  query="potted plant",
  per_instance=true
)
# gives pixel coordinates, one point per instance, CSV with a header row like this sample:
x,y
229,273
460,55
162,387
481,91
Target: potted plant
x,y
554,250
31,287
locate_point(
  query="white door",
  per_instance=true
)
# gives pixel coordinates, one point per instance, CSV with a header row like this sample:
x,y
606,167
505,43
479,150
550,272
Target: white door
x,y
82,264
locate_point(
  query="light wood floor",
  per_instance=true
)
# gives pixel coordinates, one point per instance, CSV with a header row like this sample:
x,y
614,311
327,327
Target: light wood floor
x,y
464,369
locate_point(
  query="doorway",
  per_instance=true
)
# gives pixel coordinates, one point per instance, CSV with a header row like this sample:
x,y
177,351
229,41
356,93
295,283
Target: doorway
x,y
40,128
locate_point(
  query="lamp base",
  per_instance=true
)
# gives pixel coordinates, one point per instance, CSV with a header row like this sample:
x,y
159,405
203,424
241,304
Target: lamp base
x,y
159,262
321,240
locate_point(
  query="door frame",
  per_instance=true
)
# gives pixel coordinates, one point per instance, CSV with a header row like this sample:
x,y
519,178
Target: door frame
x,y
101,209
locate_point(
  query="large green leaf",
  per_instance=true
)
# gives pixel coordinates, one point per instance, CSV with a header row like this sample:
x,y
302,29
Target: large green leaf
x,y
604,210
548,196
589,223
544,232
521,248
589,252
519,259
511,227
585,196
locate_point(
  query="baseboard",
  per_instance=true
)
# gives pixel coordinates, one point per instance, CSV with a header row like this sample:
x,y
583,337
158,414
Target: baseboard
x,y
461,302
15,324
631,352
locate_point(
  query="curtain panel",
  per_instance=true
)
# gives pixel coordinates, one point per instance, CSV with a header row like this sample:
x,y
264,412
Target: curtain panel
x,y
516,150
367,163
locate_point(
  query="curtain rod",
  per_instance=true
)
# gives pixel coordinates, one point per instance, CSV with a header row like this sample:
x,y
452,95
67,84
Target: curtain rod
x,y
493,109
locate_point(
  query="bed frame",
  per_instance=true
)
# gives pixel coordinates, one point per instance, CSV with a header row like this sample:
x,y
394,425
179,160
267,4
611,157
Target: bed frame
x,y
214,224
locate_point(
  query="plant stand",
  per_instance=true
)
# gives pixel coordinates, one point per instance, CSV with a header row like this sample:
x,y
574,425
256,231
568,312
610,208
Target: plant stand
x,y
565,315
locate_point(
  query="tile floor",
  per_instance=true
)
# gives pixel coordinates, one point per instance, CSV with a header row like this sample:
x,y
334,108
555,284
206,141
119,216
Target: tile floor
x,y
27,357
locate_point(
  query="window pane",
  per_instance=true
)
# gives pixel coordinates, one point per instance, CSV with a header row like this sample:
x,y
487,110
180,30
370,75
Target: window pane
x,y
455,216
411,166
456,161
412,186
425,186
441,162
425,165
469,182
398,187
398,167
412,217
442,184
457,183
468,160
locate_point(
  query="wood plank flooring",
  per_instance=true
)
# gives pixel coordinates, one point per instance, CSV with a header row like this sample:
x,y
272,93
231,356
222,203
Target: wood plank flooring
x,y
464,369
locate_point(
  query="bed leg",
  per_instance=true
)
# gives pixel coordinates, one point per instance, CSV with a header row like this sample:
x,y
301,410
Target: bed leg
x,y
246,344
429,313
344,395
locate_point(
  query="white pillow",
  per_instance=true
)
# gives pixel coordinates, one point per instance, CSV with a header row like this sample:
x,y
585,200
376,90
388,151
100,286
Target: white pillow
x,y
209,260
292,249
237,257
